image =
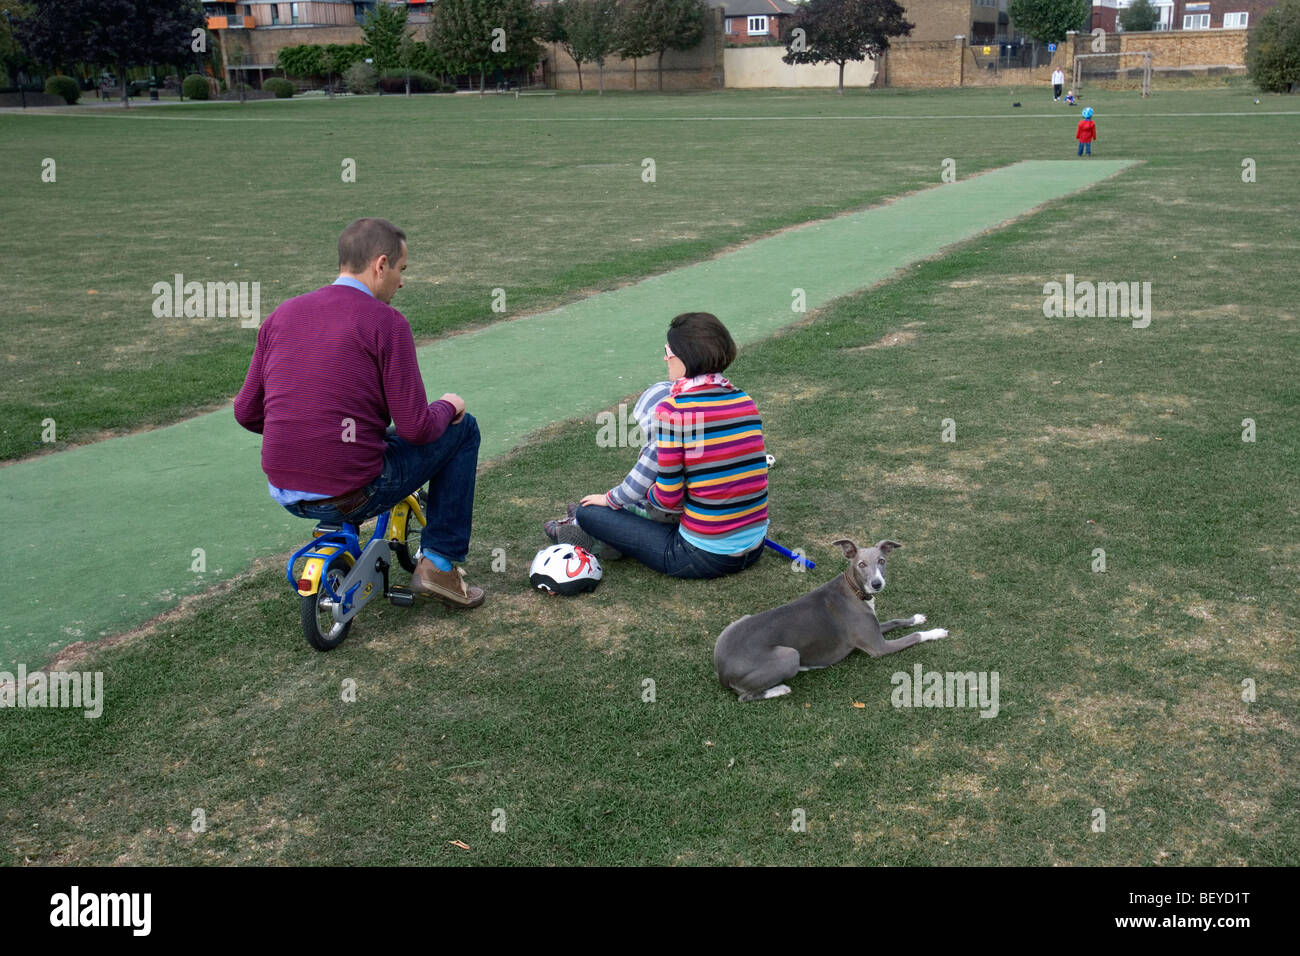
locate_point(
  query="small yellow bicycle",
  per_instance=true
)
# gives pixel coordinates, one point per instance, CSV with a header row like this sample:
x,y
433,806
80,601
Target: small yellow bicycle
x,y
340,576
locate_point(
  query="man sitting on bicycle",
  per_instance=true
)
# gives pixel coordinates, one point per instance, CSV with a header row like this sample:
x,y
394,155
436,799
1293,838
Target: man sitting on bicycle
x,y
330,370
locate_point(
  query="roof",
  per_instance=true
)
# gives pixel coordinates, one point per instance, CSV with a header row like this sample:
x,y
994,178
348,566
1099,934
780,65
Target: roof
x,y
752,8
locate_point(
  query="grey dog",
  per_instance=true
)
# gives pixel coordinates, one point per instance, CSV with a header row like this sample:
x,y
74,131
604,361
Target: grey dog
x,y
756,654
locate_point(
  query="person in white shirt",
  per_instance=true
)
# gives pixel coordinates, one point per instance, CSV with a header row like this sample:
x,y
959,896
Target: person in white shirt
x,y
1058,81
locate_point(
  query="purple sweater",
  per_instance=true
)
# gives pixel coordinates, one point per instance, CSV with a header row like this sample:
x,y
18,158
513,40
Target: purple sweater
x,y
321,358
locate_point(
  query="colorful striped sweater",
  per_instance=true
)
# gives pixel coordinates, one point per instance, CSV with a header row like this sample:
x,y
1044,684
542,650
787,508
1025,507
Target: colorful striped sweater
x,y
713,464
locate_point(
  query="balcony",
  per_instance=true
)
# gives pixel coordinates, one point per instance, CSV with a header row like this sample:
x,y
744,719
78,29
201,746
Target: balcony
x,y
231,23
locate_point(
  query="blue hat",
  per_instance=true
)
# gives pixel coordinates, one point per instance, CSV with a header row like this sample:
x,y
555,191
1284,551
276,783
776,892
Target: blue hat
x,y
1087,112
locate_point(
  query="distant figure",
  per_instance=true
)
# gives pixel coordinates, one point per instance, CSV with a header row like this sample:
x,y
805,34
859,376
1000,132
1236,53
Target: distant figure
x,y
1058,82
1087,132
1069,97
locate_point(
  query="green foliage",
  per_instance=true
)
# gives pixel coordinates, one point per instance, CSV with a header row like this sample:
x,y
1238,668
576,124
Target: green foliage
x,y
1047,21
195,87
384,28
64,86
1141,15
339,56
1273,49
361,77
12,57
416,55
477,36
281,87
110,31
307,61
394,81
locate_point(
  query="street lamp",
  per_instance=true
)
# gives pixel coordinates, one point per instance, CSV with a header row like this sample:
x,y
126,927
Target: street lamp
x,y
22,90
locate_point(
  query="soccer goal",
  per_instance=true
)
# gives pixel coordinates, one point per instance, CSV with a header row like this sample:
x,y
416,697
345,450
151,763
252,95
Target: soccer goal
x,y
1110,66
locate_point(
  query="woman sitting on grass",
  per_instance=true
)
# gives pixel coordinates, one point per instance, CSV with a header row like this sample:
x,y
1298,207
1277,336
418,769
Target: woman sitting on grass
x,y
712,466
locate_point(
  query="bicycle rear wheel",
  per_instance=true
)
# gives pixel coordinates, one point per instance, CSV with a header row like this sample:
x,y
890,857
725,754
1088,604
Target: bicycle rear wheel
x,y
318,624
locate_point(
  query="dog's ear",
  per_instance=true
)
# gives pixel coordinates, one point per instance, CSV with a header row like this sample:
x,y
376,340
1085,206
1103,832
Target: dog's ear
x,y
847,546
887,546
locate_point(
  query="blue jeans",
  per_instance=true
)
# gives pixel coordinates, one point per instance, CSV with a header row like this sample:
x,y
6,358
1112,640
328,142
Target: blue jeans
x,y
1087,145
659,546
448,464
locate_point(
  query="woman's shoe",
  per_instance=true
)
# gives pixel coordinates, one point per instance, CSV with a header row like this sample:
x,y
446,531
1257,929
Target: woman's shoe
x,y
568,531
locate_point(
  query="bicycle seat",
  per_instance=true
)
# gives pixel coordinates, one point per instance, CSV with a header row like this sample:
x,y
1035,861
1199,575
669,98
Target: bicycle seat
x,y
328,527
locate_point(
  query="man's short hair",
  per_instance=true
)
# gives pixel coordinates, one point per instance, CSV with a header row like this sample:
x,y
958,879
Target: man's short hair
x,y
702,342
366,240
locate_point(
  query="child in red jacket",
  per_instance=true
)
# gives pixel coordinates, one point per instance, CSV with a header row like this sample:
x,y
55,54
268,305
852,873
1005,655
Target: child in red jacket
x,y
1086,133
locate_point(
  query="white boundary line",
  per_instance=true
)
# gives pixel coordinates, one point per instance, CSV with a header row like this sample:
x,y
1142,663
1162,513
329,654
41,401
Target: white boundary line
x,y
654,119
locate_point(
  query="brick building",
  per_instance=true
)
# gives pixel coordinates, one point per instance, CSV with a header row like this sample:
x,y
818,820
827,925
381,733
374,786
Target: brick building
x,y
980,21
754,21
1186,14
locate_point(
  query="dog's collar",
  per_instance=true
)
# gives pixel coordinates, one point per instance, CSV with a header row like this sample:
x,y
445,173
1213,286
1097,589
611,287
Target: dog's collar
x,y
848,576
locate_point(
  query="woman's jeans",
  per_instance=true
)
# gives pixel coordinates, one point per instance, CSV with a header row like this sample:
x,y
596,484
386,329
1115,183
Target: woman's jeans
x,y
659,546
448,464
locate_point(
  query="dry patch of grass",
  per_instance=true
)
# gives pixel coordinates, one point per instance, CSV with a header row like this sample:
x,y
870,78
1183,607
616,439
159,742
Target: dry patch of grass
x,y
1254,637
918,475
887,341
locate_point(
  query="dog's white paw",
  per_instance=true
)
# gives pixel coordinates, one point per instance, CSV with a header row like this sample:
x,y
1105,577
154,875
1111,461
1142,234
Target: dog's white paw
x,y
777,691
934,634
918,619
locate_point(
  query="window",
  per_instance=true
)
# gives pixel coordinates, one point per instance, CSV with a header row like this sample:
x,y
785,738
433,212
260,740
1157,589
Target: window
x,y
1196,21
1235,21
757,26
293,13
275,14
727,26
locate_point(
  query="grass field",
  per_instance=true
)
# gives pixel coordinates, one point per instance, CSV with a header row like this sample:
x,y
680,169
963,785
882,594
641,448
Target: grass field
x,y
1120,691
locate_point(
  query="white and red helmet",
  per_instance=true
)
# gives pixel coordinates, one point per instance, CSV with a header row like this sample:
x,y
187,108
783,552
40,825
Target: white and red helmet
x,y
565,569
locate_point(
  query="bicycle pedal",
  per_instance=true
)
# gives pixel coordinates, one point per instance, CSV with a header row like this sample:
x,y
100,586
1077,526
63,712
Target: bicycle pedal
x,y
401,597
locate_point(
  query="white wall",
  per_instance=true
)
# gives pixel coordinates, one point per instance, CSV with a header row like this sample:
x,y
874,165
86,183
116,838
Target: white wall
x,y
760,67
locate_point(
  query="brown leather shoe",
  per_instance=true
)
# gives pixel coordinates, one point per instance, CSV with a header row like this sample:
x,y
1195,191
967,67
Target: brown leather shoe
x,y
449,587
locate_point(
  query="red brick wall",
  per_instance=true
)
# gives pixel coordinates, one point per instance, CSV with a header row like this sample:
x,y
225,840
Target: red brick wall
x,y
923,63
776,30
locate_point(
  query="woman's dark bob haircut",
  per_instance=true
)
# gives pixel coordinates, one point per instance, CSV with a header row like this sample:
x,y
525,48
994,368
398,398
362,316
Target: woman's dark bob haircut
x,y
702,343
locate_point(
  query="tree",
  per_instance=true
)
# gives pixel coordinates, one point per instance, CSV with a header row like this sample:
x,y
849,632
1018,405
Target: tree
x,y
1047,21
1140,16
1273,49
633,40
474,36
383,28
587,29
122,32
657,26
12,57
836,31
